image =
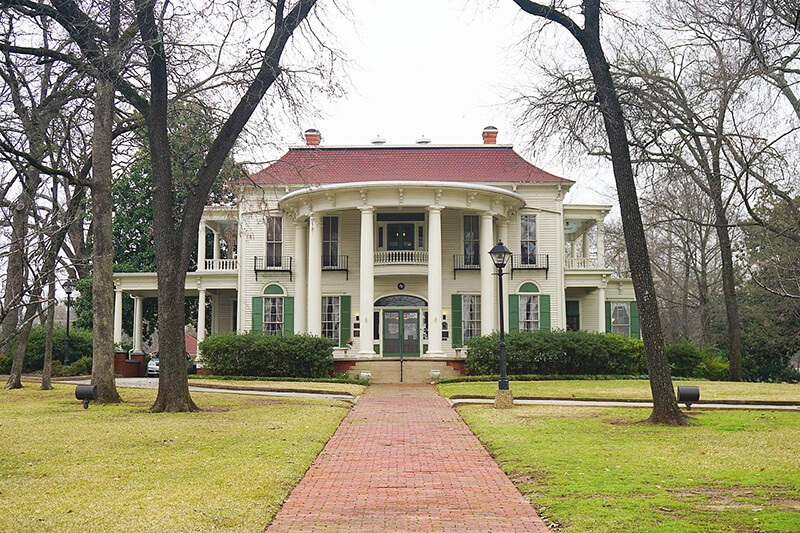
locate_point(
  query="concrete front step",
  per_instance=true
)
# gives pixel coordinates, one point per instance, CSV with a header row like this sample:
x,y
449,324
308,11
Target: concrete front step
x,y
414,370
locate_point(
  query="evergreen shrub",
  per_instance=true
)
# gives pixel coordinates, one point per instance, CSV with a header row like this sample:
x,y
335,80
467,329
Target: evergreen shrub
x,y
80,345
254,354
557,353
684,359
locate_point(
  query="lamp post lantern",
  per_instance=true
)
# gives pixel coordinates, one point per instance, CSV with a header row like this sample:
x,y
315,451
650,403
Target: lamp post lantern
x,y
69,286
500,256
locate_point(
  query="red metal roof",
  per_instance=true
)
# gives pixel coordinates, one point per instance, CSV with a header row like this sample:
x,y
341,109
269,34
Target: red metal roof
x,y
324,165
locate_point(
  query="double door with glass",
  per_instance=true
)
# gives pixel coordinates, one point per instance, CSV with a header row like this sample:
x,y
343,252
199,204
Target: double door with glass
x,y
401,333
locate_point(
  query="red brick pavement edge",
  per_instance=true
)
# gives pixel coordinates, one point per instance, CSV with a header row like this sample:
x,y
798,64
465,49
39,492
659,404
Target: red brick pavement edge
x,y
404,460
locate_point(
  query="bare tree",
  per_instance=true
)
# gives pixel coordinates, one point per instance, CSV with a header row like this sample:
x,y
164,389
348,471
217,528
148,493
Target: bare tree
x,y
588,36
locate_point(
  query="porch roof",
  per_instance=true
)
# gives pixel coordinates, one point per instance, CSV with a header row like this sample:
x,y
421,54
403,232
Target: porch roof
x,y
334,164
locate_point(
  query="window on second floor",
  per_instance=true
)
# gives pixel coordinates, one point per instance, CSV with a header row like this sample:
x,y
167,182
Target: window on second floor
x,y
330,241
471,240
274,241
528,239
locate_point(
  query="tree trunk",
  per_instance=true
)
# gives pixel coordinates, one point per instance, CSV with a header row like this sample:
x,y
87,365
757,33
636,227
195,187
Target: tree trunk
x,y
15,271
47,368
103,262
665,405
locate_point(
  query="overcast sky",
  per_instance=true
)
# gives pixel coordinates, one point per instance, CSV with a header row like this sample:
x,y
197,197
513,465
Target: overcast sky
x,y
442,69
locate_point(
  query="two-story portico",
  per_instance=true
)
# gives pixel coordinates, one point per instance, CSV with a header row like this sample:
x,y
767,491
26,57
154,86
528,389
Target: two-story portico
x,y
385,249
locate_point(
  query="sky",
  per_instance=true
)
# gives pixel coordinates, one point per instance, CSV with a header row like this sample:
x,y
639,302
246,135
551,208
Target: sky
x,y
442,69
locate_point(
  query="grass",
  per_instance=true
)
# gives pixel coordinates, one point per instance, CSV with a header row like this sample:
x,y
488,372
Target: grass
x,y
634,389
120,468
345,388
594,469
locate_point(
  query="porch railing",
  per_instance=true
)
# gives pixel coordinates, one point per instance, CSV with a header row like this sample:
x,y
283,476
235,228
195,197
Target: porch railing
x,y
222,264
534,262
401,257
273,263
465,262
581,262
337,263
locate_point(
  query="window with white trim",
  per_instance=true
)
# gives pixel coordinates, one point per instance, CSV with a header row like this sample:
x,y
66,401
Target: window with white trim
x,y
273,315
274,241
330,241
621,318
528,312
331,317
471,316
471,240
528,239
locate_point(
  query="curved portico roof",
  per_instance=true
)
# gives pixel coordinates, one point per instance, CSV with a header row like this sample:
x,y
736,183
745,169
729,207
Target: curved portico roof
x,y
400,194
321,165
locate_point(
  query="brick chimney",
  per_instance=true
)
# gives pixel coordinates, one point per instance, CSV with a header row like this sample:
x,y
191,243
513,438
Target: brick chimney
x,y
313,137
489,135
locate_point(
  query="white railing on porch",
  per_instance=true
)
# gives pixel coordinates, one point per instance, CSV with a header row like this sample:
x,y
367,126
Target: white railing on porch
x,y
582,262
222,264
401,257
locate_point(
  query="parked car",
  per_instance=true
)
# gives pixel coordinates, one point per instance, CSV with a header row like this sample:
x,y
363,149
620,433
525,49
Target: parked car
x,y
152,365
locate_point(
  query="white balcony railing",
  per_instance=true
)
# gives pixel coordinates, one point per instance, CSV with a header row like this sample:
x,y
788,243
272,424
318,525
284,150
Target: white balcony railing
x,y
401,257
582,262
222,264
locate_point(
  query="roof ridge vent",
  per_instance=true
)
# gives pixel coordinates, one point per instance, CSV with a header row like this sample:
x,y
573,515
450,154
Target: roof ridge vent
x,y
378,140
423,140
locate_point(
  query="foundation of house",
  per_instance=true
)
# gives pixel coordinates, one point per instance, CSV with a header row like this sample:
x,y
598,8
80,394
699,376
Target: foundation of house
x,y
387,369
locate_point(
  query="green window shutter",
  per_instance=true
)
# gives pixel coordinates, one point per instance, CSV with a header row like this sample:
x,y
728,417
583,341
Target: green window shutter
x,y
258,314
608,317
544,311
344,320
288,315
455,320
636,329
513,313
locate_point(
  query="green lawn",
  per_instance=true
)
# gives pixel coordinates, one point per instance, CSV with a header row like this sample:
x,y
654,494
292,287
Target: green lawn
x,y
120,468
632,388
310,386
595,469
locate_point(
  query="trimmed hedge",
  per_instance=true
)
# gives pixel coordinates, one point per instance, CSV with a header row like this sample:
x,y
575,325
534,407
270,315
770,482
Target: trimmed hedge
x,y
254,354
684,359
339,378
557,353
80,346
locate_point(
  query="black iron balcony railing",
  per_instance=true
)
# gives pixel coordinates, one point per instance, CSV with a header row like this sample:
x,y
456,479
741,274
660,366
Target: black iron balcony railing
x,y
530,262
465,262
337,263
273,263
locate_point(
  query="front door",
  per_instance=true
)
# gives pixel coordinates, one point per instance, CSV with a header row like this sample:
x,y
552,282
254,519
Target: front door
x,y
573,315
401,236
400,333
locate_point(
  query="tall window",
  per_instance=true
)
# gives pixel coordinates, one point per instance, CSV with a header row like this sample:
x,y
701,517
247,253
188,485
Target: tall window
x,y
471,316
330,318
471,240
330,241
528,312
528,239
273,315
274,241
621,318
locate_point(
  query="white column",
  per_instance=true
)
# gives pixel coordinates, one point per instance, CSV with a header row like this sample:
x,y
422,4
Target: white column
x,y
435,282
601,246
137,324
502,235
367,281
201,315
487,279
201,247
214,313
216,250
585,244
117,317
314,296
601,309
301,279
573,248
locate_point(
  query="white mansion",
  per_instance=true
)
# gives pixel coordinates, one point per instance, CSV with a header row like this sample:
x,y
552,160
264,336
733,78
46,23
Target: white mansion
x,y
385,249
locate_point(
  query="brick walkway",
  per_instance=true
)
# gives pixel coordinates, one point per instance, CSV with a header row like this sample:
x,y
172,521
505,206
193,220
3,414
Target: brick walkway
x,y
403,460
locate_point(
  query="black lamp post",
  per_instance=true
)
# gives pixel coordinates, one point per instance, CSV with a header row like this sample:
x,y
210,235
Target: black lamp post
x,y
69,286
500,256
